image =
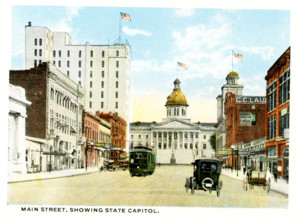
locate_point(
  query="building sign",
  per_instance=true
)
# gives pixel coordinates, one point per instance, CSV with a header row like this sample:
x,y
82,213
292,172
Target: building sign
x,y
251,99
224,151
101,144
244,153
245,118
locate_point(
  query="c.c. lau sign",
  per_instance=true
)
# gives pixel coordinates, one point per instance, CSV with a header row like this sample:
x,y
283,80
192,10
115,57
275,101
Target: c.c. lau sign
x,y
251,99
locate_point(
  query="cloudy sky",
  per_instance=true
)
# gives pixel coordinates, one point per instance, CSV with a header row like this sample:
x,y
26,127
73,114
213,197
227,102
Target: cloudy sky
x,y
160,37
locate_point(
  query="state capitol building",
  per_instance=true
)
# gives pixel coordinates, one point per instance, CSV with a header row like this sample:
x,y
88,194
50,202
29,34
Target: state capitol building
x,y
177,140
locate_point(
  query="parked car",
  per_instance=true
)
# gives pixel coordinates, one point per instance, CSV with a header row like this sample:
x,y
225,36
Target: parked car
x,y
206,176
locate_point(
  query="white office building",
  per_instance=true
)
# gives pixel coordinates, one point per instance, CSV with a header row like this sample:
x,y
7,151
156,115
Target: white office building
x,y
102,70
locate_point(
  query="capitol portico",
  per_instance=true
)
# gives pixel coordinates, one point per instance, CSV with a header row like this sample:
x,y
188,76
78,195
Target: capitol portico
x,y
176,138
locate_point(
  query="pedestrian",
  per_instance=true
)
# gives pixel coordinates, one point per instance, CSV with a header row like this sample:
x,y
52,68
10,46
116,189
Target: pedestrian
x,y
244,169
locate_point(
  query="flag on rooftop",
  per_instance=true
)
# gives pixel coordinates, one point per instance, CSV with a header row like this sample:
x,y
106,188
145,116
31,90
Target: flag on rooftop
x,y
125,16
182,65
238,56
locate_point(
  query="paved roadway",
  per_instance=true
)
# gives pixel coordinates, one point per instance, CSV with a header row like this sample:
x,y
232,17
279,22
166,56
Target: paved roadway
x,y
164,188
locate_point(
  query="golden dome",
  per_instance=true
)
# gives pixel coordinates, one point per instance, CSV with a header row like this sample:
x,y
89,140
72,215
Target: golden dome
x,y
177,97
233,74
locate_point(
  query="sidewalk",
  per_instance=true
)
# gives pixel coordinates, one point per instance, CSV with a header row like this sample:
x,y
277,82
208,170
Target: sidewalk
x,y
15,178
281,186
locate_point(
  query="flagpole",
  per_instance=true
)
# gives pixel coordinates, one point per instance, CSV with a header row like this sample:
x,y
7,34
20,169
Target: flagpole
x,y
232,61
120,29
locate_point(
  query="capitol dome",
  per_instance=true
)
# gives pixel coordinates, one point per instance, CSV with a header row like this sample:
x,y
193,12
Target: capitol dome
x,y
233,74
177,97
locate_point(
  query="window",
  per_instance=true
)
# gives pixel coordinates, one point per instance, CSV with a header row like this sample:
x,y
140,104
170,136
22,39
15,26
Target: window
x,y
204,137
91,84
90,104
35,63
79,74
40,41
54,53
91,53
90,94
103,53
272,151
271,90
79,63
102,94
59,63
284,87
35,42
54,62
91,74
102,63
68,73
117,84
117,52
283,121
102,104
35,52
68,53
117,74
79,82
272,127
40,61
60,53
40,52
117,63
79,53
68,63
204,146
91,63
102,74
116,94
102,84
116,105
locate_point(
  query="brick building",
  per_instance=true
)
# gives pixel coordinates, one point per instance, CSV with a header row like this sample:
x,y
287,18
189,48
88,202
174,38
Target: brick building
x,y
91,131
245,123
278,110
118,134
55,114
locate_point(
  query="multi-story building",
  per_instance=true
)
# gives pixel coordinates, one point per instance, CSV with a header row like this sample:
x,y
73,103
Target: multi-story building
x,y
17,115
245,126
176,139
118,135
231,86
91,124
102,70
278,111
55,114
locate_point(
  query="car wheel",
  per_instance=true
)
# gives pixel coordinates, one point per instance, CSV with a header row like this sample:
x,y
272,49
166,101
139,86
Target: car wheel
x,y
187,185
218,192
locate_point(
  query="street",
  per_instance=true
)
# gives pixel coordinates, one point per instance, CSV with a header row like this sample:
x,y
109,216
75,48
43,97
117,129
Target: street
x,y
164,188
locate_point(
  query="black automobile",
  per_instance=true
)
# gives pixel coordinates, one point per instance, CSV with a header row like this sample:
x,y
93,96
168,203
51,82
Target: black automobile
x,y
206,176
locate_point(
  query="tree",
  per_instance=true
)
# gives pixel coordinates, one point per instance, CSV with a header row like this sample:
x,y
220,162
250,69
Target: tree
x,y
213,141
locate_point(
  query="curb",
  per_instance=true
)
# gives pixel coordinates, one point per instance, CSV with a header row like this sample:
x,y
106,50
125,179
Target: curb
x,y
48,178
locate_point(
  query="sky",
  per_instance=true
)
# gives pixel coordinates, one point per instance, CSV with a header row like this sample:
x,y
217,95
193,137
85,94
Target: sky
x,y
202,38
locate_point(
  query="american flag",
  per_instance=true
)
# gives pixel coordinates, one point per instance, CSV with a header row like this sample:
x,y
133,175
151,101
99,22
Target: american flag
x,y
182,65
238,56
125,16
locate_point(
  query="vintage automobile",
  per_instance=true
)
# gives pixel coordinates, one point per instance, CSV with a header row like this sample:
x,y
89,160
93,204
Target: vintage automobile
x,y
258,178
206,176
109,165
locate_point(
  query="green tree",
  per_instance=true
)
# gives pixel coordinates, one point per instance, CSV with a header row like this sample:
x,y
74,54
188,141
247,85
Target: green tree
x,y
213,141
